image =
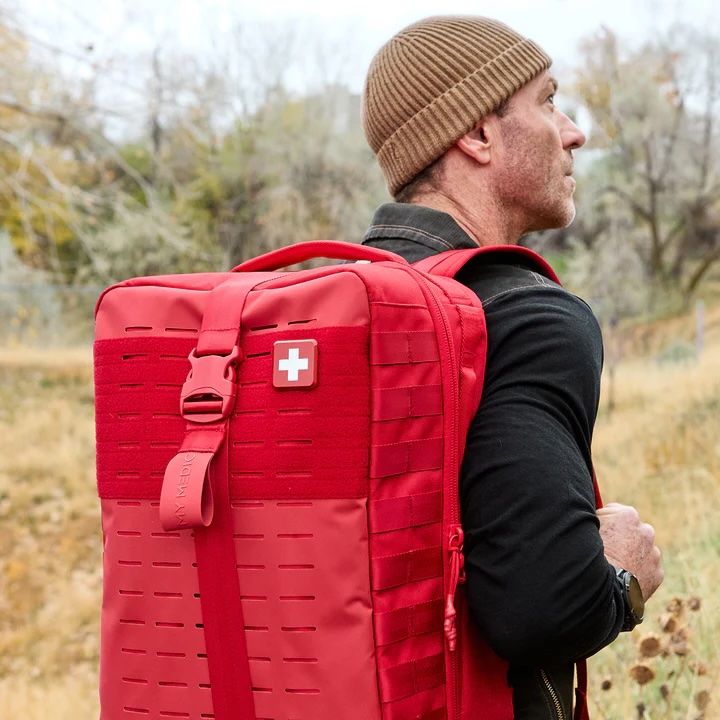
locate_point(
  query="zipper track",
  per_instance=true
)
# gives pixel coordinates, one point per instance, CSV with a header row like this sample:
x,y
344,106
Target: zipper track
x,y
553,695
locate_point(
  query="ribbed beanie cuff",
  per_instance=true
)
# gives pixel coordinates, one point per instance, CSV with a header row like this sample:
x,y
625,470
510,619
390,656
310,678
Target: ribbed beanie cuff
x,y
433,81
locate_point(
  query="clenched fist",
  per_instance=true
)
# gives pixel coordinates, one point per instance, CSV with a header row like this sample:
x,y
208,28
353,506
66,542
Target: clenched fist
x,y
630,544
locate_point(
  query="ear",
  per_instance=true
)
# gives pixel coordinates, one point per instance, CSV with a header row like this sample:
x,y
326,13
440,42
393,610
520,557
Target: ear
x,y
478,144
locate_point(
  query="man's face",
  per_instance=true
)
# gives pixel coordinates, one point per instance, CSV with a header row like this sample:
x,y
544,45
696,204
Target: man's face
x,y
534,158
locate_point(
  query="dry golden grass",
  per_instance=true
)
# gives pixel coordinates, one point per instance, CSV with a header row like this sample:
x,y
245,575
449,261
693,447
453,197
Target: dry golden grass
x,y
50,545
660,451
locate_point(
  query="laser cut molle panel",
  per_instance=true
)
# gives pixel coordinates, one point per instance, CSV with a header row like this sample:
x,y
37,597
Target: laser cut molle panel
x,y
302,567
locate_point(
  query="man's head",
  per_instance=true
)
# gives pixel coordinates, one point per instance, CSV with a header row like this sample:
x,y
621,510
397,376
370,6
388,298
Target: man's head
x,y
466,102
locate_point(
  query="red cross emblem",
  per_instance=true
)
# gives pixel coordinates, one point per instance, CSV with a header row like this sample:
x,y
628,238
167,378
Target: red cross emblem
x,y
294,363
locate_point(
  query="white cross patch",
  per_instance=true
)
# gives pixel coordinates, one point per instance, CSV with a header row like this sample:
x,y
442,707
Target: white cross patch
x,y
294,363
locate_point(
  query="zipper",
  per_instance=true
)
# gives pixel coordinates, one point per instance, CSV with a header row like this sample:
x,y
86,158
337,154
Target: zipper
x,y
457,575
553,695
455,538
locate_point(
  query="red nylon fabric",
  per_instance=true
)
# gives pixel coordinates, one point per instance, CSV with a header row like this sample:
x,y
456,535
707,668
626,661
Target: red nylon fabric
x,y
406,402
425,705
139,429
409,678
222,609
404,512
449,263
221,321
404,457
581,699
284,257
186,498
396,347
396,570
403,623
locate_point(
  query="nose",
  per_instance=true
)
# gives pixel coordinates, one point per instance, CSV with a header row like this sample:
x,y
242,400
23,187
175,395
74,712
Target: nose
x,y
572,136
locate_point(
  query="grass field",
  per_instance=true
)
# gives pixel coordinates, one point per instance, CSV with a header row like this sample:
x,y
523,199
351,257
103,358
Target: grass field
x,y
659,450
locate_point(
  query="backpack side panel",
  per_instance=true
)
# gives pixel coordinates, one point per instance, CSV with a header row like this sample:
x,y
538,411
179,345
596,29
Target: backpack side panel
x,y
406,490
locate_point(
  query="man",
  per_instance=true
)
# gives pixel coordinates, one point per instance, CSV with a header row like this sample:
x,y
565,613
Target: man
x,y
460,112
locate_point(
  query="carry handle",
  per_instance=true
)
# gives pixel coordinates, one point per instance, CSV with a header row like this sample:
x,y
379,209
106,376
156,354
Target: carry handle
x,y
300,252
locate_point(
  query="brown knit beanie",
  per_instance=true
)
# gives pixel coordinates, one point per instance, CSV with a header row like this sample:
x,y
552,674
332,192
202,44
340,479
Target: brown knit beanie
x,y
433,81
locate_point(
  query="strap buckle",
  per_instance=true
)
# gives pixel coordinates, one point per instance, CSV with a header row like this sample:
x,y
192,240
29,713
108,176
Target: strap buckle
x,y
208,394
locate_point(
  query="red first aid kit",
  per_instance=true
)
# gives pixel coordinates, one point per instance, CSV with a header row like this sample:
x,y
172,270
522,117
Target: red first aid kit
x,y
278,457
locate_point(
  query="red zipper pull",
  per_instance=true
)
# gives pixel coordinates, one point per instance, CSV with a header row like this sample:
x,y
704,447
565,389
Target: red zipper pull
x,y
457,575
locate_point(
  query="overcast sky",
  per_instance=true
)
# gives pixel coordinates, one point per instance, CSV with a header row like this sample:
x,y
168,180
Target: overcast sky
x,y
197,26
114,39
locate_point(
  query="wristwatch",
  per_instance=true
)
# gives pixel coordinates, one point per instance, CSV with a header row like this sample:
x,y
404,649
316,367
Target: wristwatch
x,y
633,599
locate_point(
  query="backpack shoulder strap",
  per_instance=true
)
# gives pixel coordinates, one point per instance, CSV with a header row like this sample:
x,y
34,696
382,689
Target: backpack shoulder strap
x,y
451,262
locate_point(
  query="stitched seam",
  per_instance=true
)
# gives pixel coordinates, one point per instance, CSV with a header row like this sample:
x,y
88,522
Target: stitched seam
x,y
407,442
414,229
411,553
505,292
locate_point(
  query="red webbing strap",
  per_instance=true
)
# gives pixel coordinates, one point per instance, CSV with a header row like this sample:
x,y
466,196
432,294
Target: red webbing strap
x,y
450,262
395,570
405,346
220,602
196,493
408,456
406,622
405,511
403,680
581,704
221,605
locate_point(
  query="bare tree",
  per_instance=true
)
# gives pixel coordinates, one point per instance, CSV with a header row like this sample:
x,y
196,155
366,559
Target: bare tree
x,y
655,113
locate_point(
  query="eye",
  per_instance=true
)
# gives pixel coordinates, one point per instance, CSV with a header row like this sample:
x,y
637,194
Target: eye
x,y
551,99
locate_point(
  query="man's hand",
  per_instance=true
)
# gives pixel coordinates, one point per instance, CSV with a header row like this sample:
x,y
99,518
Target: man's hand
x,y
630,544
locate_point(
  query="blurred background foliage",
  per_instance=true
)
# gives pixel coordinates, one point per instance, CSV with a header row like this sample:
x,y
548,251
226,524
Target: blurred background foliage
x,y
223,164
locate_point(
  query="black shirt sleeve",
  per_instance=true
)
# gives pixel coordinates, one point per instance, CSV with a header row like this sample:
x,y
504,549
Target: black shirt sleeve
x,y
538,582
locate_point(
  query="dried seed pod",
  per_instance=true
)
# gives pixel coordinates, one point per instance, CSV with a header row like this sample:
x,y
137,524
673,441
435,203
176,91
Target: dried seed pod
x,y
606,684
702,700
675,606
642,674
665,692
650,645
694,603
697,667
668,623
680,647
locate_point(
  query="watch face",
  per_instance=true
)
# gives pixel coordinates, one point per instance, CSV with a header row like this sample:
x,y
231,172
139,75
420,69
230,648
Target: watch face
x,y
636,598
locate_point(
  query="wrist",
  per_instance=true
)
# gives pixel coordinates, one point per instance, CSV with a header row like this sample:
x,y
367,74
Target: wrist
x,y
633,602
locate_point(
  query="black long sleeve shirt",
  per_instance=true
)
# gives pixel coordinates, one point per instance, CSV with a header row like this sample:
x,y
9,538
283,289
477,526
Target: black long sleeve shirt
x,y
539,585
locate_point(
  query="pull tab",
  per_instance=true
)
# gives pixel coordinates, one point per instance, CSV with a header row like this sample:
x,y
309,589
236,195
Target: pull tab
x,y
457,576
186,497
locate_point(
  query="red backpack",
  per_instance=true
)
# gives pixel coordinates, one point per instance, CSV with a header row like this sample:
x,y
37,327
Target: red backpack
x,y
278,457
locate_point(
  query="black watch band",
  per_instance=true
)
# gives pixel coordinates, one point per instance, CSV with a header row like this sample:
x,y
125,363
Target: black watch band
x,y
632,598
